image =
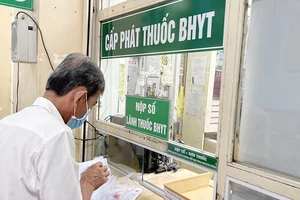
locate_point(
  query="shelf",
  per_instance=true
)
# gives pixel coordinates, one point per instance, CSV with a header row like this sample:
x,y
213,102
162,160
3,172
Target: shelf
x,y
159,179
131,136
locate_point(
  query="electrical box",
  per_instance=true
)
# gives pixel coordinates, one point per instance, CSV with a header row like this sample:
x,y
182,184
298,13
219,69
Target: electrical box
x,y
23,41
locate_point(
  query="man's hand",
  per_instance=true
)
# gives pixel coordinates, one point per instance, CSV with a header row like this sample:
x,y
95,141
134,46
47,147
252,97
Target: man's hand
x,y
92,178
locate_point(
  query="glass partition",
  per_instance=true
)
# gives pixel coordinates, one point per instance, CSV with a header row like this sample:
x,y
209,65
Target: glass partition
x,y
120,154
237,191
189,83
155,170
268,134
163,78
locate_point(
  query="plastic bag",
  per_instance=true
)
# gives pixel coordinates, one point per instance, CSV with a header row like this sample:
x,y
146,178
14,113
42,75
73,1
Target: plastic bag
x,y
126,188
84,165
114,189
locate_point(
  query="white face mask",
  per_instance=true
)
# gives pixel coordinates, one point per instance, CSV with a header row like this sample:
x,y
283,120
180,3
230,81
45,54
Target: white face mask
x,y
75,122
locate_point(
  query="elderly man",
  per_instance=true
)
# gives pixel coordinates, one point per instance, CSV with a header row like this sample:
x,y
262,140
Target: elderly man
x,y
37,145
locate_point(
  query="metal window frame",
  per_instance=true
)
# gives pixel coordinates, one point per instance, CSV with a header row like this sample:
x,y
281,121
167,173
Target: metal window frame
x,y
254,188
118,10
121,132
234,42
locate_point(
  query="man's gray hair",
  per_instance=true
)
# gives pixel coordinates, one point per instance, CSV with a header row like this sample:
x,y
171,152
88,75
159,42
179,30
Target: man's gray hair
x,y
74,71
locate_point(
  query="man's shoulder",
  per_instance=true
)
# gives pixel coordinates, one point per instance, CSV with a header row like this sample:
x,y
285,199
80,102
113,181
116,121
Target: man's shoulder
x,y
37,121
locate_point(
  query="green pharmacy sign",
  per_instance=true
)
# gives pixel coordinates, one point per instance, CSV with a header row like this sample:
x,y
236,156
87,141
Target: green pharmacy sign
x,y
148,116
179,26
22,4
193,156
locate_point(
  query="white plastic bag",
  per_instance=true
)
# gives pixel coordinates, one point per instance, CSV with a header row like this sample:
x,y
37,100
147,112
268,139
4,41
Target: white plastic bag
x,y
113,189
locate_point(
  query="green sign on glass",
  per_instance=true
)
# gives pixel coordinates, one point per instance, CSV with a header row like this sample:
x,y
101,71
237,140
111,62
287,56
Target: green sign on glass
x,y
179,26
22,4
148,116
193,156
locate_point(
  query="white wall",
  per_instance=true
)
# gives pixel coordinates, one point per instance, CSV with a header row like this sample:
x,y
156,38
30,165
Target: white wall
x,y
63,24
5,63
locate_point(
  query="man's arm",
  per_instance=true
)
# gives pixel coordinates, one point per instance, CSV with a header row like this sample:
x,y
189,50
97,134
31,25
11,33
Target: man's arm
x,y
86,191
57,171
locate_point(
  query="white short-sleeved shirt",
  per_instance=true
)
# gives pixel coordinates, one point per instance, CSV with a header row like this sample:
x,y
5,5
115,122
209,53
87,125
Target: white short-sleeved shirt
x,y
37,155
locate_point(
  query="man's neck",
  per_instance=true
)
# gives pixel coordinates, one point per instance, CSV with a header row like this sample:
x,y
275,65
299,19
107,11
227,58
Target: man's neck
x,y
61,103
